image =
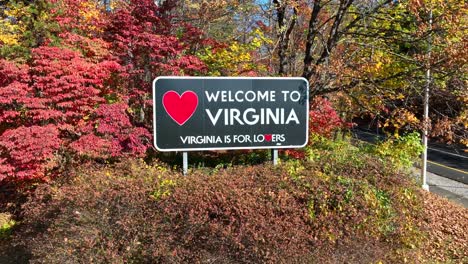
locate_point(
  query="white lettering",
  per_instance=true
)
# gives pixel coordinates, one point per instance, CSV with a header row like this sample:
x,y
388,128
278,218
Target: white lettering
x,y
214,120
292,117
240,100
212,96
201,139
263,96
274,116
235,114
252,98
254,116
297,94
285,94
241,96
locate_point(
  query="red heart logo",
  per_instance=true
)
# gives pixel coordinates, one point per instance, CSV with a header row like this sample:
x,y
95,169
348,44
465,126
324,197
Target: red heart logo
x,y
180,107
268,137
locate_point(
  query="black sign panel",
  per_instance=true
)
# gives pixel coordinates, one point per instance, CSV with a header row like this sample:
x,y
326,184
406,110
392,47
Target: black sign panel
x,y
212,113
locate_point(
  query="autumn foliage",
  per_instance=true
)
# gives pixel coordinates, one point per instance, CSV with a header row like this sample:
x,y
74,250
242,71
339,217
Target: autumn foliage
x,y
323,121
253,214
80,181
43,102
83,89
82,69
323,118
30,152
109,133
144,40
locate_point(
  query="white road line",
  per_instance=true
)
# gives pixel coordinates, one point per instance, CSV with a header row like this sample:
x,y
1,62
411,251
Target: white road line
x,y
448,153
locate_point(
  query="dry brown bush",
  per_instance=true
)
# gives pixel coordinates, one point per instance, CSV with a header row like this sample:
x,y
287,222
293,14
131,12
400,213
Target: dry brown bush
x,y
299,212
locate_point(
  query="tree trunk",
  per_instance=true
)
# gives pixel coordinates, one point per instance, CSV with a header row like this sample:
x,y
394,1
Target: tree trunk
x,y
284,34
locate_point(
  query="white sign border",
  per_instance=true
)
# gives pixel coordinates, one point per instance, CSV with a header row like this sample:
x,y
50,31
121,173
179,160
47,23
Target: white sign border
x,y
229,78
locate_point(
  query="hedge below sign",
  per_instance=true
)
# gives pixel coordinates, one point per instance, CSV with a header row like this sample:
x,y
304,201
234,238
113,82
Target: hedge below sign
x,y
214,113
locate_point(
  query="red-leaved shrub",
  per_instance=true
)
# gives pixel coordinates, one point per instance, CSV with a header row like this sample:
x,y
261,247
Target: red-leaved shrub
x,y
14,91
110,133
88,78
323,118
41,105
66,86
323,121
27,152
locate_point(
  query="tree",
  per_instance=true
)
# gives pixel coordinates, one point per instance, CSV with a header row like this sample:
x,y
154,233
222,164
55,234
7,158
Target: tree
x,y
234,59
25,25
374,54
223,20
394,55
149,44
74,81
285,28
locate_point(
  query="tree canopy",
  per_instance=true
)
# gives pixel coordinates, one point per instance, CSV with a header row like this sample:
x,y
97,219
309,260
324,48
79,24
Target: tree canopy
x,y
75,75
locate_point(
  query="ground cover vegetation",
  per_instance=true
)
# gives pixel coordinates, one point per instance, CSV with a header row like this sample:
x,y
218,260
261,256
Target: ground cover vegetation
x,y
342,203
80,181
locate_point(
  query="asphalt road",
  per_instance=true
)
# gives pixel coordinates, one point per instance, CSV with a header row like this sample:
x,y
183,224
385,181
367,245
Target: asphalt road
x,y
444,160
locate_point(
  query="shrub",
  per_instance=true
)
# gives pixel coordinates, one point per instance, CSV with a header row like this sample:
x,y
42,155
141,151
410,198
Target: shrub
x,y
103,215
6,225
28,152
323,121
41,104
401,153
109,133
323,118
296,212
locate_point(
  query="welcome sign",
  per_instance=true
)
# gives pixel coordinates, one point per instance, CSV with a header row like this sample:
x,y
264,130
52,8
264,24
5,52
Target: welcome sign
x,y
214,113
